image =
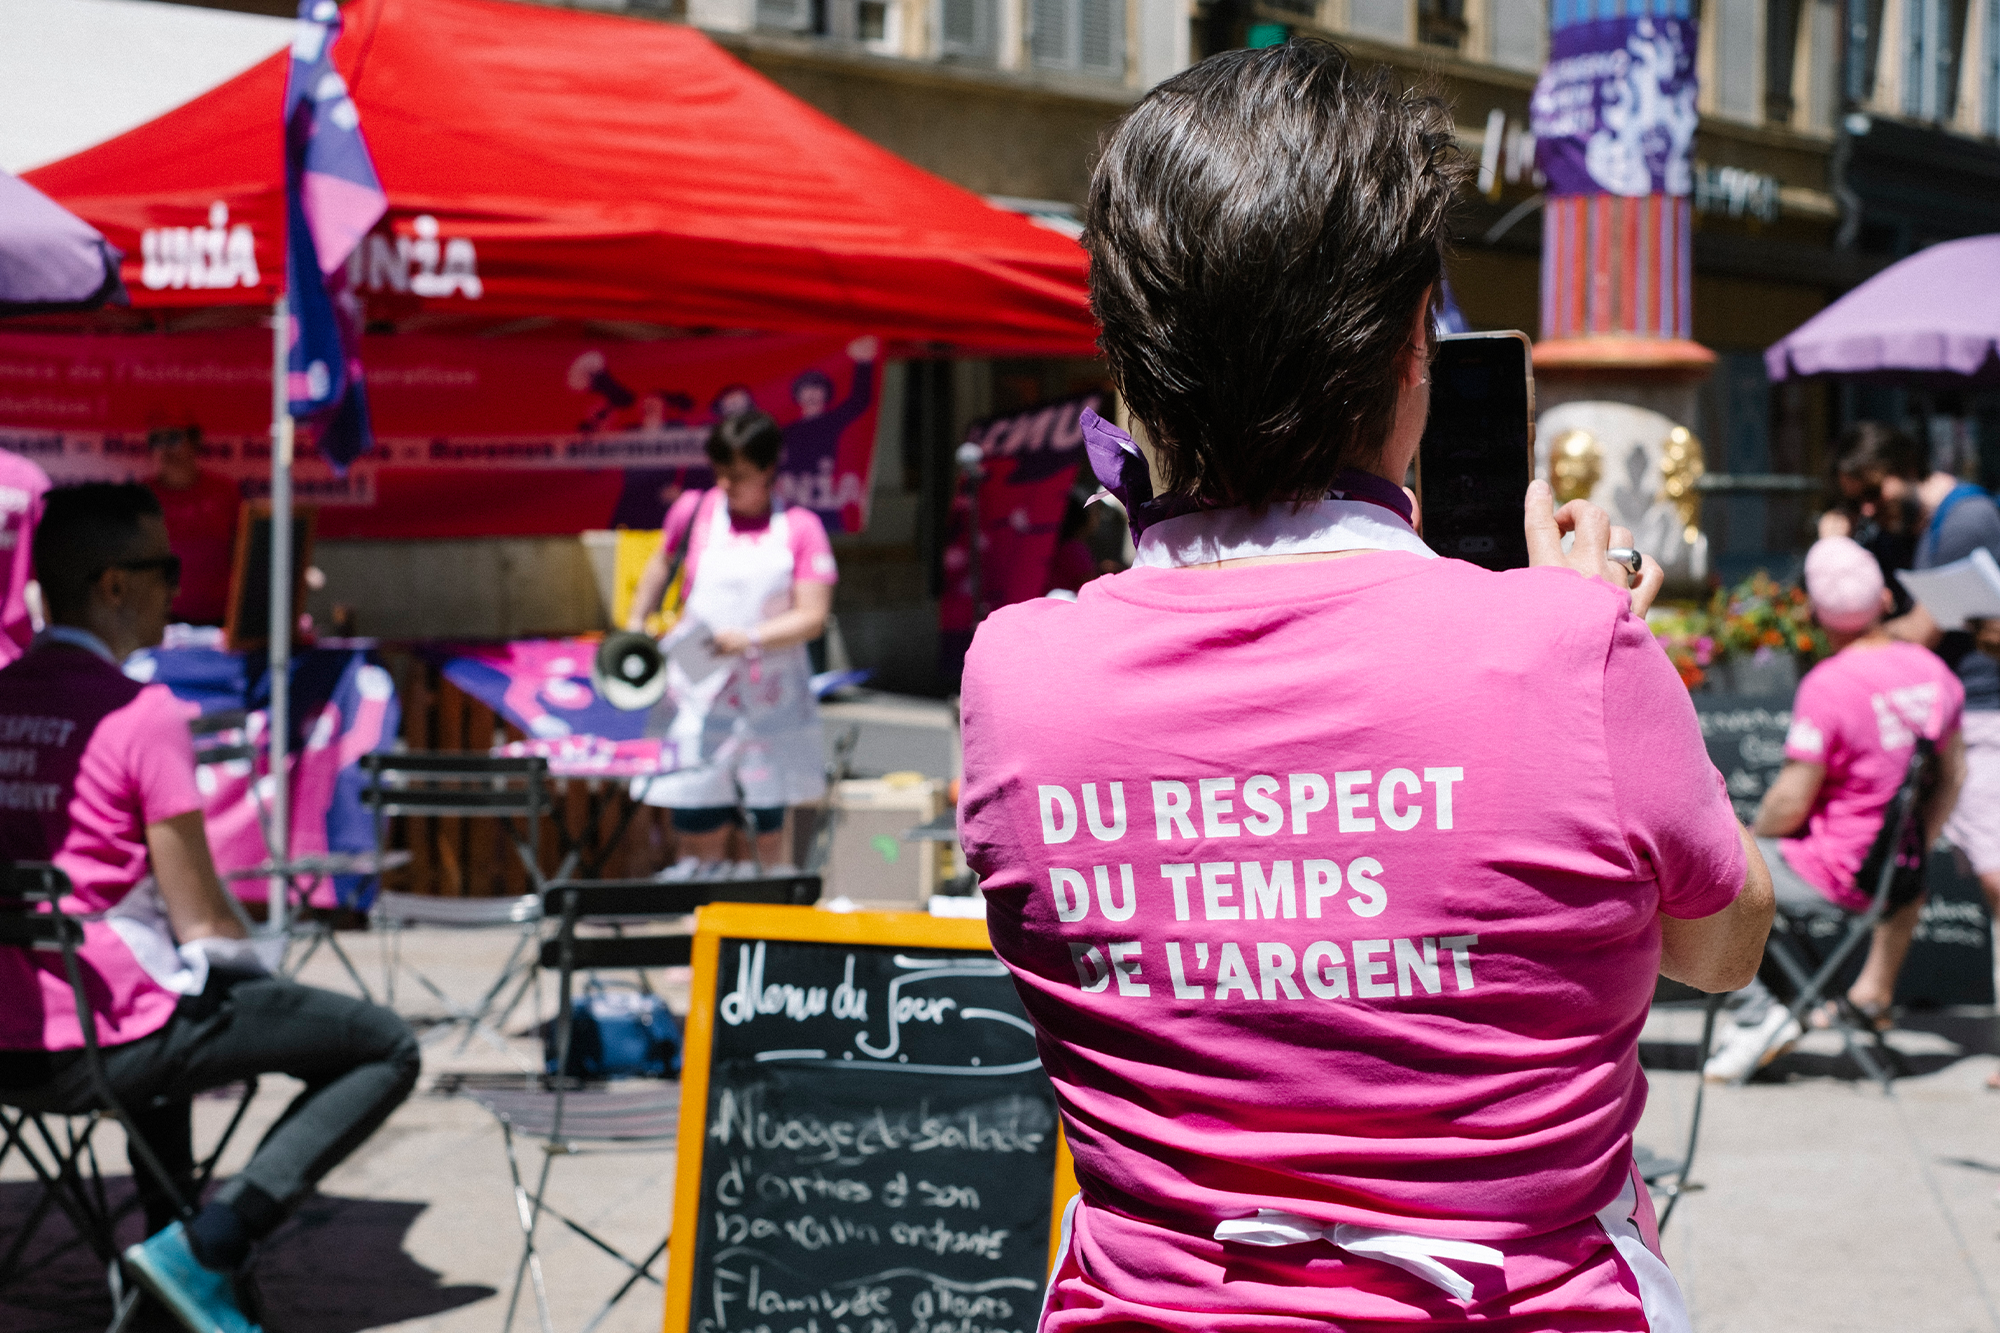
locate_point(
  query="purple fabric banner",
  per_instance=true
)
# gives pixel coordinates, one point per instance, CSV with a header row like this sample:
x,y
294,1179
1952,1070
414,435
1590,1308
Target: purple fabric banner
x,y
332,199
1614,112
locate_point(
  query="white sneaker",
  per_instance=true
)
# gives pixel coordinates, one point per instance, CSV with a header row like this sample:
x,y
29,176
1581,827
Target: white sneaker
x,y
680,871
1748,1049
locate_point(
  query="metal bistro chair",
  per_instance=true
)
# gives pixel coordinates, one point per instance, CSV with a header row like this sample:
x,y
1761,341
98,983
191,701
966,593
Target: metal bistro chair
x,y
517,793
561,1113
1812,965
60,1147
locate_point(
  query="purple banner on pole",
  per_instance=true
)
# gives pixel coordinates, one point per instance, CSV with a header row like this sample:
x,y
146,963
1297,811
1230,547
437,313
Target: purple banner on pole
x,y
1614,112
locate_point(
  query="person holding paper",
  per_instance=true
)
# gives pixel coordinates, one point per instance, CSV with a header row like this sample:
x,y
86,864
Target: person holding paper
x,y
1956,519
1855,723
740,708
105,788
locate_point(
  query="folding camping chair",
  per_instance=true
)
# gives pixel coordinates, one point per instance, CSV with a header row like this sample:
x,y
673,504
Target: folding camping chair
x,y
561,1112
1812,952
517,793
60,1147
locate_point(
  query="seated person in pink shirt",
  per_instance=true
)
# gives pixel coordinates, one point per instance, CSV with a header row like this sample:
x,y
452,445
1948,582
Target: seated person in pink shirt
x,y
1336,876
182,1001
1855,723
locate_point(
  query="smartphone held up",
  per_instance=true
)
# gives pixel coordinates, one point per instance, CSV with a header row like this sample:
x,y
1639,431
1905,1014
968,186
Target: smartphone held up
x,y
1478,450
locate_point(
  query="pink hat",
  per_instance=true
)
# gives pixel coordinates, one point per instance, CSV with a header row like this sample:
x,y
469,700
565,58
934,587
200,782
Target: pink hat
x,y
1845,584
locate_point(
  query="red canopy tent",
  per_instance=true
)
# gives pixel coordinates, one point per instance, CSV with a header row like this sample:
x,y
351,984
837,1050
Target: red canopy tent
x,y
549,165
545,162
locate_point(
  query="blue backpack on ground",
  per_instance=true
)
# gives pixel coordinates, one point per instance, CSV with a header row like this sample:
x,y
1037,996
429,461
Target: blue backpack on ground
x,y
617,1033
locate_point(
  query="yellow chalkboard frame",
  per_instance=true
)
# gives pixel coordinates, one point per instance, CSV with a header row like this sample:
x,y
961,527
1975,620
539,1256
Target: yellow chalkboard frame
x,y
810,925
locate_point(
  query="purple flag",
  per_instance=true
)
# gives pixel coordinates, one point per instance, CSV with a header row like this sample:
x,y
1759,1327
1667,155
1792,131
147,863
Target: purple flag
x,y
333,198
1614,112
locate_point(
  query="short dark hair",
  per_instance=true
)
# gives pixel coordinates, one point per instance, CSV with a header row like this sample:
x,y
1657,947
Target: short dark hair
x,y
1877,447
751,436
84,529
1262,229
813,379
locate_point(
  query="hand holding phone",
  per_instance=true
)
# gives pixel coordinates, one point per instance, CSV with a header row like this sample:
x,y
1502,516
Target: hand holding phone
x,y
1478,450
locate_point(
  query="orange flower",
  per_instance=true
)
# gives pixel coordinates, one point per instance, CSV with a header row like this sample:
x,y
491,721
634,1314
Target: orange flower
x,y
1805,643
1774,639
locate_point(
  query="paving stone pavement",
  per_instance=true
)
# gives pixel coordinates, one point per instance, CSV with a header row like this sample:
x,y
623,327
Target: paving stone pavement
x,y
1821,1205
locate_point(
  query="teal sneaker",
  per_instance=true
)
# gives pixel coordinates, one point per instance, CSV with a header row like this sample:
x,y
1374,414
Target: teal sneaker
x,y
201,1298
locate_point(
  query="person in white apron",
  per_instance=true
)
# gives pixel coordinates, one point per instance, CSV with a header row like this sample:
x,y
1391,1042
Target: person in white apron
x,y
739,706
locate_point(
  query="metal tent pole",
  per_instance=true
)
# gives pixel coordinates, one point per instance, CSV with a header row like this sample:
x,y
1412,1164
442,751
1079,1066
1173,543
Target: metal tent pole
x,y
280,805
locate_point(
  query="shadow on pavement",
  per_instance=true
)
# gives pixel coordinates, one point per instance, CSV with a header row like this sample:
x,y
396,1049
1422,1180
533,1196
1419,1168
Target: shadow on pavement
x,y
337,1266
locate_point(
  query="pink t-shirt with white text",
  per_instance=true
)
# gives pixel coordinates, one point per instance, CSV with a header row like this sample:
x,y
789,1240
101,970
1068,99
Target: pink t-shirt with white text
x,y
1333,887
88,758
22,486
812,553
1859,713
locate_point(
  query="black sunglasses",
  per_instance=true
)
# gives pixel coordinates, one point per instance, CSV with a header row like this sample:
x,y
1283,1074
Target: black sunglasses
x,y
168,565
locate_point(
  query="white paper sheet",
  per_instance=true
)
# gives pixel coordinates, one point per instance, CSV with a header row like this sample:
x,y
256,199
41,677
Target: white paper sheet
x,y
1964,589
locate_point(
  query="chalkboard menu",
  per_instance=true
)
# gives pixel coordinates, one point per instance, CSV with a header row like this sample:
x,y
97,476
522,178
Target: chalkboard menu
x,y
868,1143
1745,735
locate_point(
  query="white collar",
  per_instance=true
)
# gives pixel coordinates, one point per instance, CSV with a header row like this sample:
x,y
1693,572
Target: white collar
x,y
75,638
1312,528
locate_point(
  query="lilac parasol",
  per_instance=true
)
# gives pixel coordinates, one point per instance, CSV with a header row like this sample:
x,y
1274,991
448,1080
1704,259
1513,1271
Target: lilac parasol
x,y
1935,313
50,259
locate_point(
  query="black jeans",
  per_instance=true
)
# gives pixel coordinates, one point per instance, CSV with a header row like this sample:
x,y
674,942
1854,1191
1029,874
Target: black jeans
x,y
357,1060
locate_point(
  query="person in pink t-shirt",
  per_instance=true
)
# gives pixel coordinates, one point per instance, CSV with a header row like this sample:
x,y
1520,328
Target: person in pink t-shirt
x,y
1855,724
1335,876
758,576
100,779
22,486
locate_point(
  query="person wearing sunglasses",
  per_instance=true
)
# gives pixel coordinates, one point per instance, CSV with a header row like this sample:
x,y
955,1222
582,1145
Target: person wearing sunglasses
x,y
97,774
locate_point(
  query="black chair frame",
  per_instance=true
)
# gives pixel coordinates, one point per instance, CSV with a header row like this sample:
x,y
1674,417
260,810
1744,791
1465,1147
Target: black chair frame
x,y
470,784
549,1113
1897,852
66,1164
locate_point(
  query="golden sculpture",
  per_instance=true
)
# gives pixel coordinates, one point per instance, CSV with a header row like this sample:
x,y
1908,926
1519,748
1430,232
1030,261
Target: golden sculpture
x,y
1577,461
1681,466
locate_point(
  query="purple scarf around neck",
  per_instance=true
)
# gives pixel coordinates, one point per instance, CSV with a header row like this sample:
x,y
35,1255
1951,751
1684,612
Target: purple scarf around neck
x,y
1121,469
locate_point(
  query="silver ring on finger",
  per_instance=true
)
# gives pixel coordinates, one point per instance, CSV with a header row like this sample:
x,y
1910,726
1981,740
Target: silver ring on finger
x,y
1628,558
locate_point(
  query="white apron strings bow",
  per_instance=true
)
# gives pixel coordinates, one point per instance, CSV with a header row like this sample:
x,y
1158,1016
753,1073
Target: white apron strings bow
x,y
1315,528
1659,1295
1421,1255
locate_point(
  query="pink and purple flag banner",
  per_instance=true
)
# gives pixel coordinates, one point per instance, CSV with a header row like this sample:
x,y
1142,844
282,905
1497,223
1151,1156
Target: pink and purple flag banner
x,y
1614,111
332,198
343,706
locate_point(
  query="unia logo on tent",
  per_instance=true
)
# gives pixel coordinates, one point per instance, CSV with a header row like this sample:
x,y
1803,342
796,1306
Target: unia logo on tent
x,y
202,258
424,264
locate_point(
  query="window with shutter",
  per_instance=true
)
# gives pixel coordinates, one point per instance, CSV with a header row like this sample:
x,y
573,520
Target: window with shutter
x,y
967,27
1930,80
1052,33
1101,36
1517,33
1737,74
1386,19
1989,119
785,15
